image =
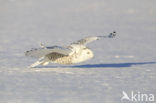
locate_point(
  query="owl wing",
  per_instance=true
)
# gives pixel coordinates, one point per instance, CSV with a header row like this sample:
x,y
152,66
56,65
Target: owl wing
x,y
41,52
87,40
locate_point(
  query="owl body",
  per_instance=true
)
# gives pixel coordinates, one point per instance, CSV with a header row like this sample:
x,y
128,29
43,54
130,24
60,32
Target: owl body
x,y
74,53
77,57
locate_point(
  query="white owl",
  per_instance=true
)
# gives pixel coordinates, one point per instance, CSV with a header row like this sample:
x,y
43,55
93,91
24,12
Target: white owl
x,y
74,53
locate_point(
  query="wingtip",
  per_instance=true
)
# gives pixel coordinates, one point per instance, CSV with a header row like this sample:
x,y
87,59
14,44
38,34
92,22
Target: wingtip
x,y
26,53
113,34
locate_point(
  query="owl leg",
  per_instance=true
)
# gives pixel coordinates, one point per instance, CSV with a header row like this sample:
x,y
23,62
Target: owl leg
x,y
41,61
35,64
38,63
45,63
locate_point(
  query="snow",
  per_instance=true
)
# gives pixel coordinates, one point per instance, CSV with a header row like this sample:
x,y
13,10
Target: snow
x,y
125,63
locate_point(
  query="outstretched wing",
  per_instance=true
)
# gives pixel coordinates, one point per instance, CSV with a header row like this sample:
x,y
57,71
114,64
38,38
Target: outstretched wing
x,y
87,40
41,52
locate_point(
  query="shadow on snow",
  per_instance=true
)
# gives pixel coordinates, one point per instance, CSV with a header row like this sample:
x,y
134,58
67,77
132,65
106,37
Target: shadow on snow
x,y
112,65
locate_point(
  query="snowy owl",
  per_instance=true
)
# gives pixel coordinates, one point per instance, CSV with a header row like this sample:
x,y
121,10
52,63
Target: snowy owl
x,y
74,53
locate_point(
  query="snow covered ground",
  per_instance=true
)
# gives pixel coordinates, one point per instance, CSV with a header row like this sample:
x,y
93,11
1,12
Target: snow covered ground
x,y
125,63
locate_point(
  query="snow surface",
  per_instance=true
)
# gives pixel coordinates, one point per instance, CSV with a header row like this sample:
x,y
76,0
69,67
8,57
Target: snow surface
x,y
125,63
